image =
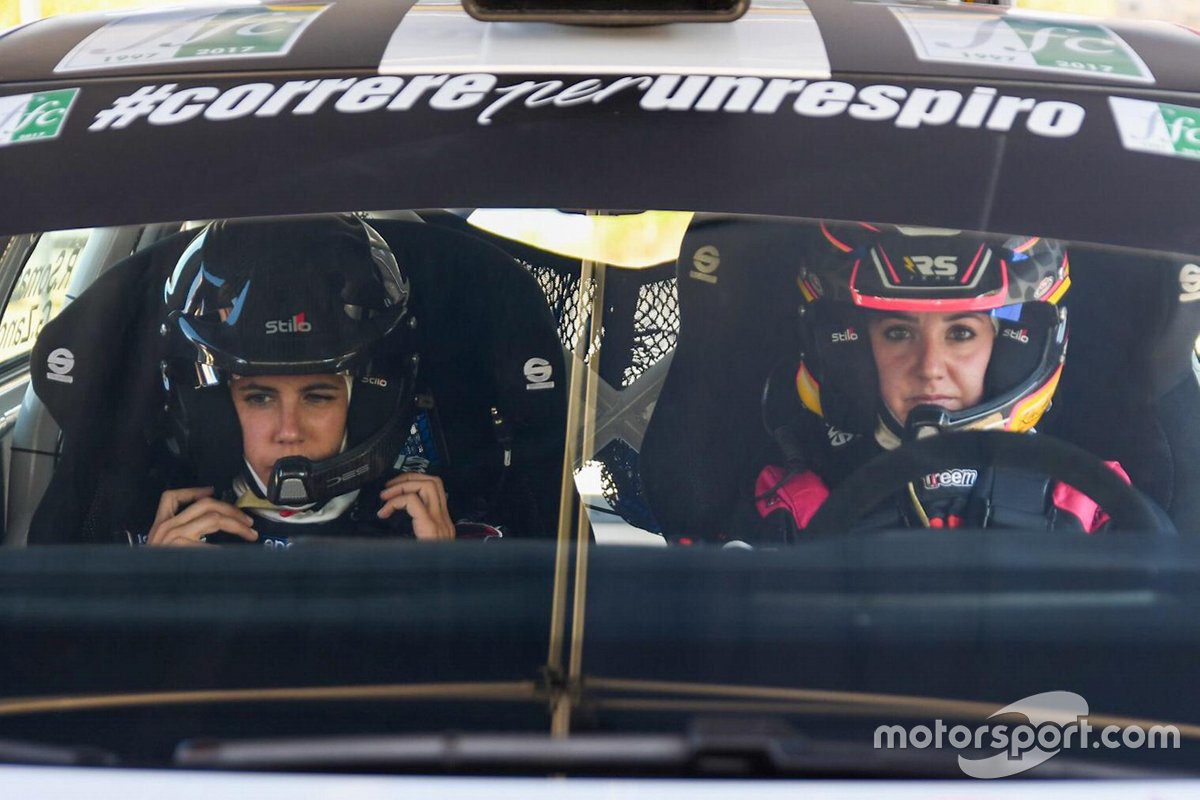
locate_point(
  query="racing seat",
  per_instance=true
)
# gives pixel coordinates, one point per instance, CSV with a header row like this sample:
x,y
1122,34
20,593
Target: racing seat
x,y
482,320
641,325
737,304
706,441
1134,323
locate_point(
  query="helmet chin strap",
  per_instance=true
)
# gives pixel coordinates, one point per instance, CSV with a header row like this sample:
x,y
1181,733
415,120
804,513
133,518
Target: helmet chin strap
x,y
925,421
300,481
890,433
251,496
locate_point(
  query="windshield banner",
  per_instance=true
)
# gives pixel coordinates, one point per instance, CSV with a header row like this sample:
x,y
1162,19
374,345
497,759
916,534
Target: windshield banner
x,y
982,107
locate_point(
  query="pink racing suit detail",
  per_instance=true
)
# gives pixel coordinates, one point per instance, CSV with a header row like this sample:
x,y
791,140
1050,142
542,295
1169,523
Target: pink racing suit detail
x,y
1079,505
804,493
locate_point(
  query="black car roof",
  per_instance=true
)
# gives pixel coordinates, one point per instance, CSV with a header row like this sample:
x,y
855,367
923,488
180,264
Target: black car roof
x,y
860,37
845,109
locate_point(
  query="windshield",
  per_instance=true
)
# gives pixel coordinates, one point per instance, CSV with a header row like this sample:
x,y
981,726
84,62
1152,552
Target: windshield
x,y
763,391
815,395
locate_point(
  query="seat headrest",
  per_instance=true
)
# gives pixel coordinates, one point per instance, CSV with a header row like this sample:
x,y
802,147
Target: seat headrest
x,y
81,355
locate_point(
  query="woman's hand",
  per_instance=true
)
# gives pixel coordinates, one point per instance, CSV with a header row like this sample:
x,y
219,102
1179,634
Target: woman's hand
x,y
422,497
186,516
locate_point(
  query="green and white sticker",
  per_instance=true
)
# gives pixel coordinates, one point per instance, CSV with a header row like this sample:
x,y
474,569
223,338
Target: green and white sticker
x,y
197,34
1028,43
30,117
1161,128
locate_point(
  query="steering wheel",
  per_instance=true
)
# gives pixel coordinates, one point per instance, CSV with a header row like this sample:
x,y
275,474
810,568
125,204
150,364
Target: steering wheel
x,y
888,473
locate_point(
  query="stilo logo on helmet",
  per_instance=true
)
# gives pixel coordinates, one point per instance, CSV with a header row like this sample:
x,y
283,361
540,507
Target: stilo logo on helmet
x,y
296,324
848,335
863,269
1021,335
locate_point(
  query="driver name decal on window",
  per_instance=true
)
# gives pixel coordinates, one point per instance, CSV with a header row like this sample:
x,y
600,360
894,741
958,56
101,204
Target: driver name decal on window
x,y
31,117
982,107
39,293
1016,42
192,35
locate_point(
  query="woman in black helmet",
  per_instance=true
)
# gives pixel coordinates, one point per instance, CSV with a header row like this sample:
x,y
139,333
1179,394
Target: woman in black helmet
x,y
910,332
290,378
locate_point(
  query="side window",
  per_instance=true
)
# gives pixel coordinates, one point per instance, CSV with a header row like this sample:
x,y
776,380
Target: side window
x,y
39,292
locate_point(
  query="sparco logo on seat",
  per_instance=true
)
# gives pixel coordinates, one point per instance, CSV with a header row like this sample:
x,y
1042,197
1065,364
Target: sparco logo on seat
x,y
538,373
59,364
706,261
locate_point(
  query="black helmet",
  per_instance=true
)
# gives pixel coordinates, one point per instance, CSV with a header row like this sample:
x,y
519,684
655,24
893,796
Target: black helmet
x,y
289,296
1018,280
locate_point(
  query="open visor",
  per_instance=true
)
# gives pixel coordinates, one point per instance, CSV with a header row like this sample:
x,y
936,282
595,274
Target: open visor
x,y
1026,364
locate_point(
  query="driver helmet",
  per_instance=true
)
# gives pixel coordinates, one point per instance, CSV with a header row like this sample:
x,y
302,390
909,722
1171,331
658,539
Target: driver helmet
x,y
862,268
273,296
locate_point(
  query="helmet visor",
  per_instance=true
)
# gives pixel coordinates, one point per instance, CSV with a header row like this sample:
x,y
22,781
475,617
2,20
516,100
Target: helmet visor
x,y
274,299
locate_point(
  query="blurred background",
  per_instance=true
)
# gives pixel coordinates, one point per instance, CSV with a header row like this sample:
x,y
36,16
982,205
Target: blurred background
x,y
14,12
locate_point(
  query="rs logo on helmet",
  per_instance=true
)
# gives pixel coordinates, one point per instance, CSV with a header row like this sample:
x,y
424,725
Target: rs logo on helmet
x,y
932,266
296,324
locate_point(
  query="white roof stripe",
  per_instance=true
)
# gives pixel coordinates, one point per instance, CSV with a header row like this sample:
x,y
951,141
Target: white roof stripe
x,y
779,39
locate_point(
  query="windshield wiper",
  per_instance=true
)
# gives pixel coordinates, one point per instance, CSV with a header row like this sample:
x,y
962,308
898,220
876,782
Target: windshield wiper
x,y
13,751
705,750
